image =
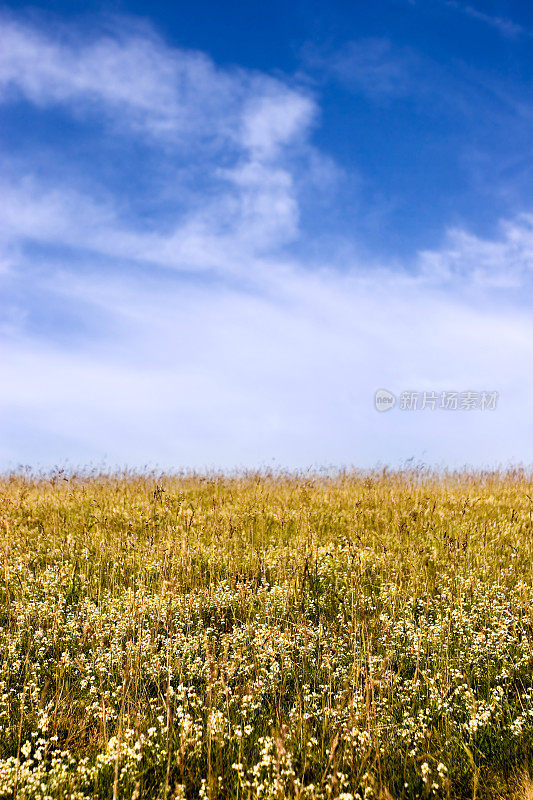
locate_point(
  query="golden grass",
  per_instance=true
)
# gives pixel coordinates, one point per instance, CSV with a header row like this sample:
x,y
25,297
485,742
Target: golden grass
x,y
269,636
526,789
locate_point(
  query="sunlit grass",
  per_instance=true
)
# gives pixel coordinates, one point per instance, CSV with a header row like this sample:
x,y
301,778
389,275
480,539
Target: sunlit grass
x,y
362,635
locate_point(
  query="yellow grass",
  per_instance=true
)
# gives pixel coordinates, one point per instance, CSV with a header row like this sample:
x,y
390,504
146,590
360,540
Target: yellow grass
x,y
266,636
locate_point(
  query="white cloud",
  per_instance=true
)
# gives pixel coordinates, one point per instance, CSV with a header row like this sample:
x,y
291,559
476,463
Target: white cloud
x,y
137,79
505,261
506,27
168,91
241,122
271,121
204,375
255,211
373,66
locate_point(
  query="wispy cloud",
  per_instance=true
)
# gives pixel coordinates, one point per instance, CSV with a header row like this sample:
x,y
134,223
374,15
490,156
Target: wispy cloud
x,y
504,262
138,81
126,71
243,123
210,375
373,66
503,25
384,72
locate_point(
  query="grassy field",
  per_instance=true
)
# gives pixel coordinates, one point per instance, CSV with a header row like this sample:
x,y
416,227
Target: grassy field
x,y
265,636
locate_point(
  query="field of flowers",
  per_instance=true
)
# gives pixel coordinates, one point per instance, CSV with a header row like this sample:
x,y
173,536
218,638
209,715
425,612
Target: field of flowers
x,y
266,636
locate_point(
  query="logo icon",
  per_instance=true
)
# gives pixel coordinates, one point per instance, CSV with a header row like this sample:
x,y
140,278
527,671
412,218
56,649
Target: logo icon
x,y
384,400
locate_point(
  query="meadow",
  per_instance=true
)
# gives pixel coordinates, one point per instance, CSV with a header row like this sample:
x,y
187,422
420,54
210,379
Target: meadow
x,y
351,636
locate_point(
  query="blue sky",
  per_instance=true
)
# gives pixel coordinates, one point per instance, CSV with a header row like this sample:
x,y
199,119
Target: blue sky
x,y
225,226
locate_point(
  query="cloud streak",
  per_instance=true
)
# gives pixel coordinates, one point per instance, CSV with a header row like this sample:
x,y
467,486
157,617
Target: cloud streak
x,y
505,26
167,92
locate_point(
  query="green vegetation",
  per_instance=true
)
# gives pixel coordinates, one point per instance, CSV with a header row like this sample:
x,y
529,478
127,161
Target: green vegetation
x,y
264,636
